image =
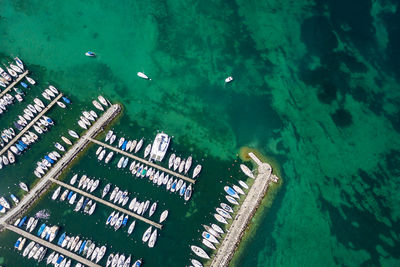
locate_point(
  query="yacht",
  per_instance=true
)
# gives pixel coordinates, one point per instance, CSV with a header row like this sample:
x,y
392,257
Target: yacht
x,y
147,234
223,213
109,157
246,171
171,160
131,227
73,134
139,145
163,216
188,193
217,228
153,239
23,186
19,63
238,189
59,146
16,68
220,218
196,263
108,136
160,146
106,190
147,150
231,200
97,105
226,207
101,155
177,163
188,164
102,100
199,252
208,243
181,166
196,171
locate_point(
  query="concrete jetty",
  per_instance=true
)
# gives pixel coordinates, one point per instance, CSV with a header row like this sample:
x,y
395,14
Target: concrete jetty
x,y
52,246
109,204
30,124
243,216
59,166
178,175
14,83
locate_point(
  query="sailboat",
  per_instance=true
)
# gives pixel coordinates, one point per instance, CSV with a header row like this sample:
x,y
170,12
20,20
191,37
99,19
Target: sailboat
x,y
143,76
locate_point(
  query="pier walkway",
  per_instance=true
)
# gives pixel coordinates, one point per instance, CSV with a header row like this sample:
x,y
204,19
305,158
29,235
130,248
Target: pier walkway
x,y
60,165
109,204
14,83
243,217
52,246
178,175
30,124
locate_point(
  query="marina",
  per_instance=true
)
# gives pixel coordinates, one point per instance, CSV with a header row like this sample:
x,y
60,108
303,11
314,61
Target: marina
x,y
52,246
106,203
156,166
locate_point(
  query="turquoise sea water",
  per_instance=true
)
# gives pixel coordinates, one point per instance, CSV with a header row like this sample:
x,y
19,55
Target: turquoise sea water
x,y
316,87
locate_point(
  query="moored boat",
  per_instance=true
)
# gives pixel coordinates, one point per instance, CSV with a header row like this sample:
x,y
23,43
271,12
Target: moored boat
x,y
199,252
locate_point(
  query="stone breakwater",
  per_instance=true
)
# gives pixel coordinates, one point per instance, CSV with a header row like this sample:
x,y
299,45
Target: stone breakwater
x,y
44,183
243,216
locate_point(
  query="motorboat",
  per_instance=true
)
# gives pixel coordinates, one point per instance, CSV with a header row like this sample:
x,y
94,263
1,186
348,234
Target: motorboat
x,y
4,203
73,134
137,263
143,76
85,121
230,191
59,146
229,79
64,195
66,100
99,149
153,239
196,171
12,72
171,160
10,157
188,193
114,193
160,146
61,104
97,105
231,200
82,180
139,145
177,162
132,204
147,234
243,184
163,216
90,54
199,252
247,171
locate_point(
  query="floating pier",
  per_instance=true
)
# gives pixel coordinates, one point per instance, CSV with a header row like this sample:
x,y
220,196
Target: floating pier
x,y
109,204
178,175
52,246
30,124
60,165
243,216
14,83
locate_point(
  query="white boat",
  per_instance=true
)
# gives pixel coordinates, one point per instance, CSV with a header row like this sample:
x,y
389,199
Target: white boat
x,y
16,68
209,237
199,252
23,186
131,227
153,239
101,156
66,140
121,160
147,234
53,89
73,134
10,157
59,146
61,104
102,100
226,207
196,171
19,63
177,162
188,164
82,180
217,228
38,102
132,204
30,80
98,150
188,193
46,95
179,185
79,204
106,190
109,259
114,193
140,209
147,150
231,200
229,79
171,160
247,171
56,193
101,253
108,136
152,209
109,157
243,184
223,213
72,199
181,166
208,243
169,184
82,124
139,145
143,76
238,189
230,191
196,263
94,185
94,254
163,216
93,113
112,139
220,218
85,121
97,105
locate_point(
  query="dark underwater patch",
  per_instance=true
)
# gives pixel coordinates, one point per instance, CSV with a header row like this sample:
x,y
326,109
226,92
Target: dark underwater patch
x,y
342,118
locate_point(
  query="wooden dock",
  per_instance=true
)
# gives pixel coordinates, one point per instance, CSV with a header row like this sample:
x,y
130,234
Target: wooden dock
x,y
52,246
109,204
31,123
178,175
13,83
244,215
59,166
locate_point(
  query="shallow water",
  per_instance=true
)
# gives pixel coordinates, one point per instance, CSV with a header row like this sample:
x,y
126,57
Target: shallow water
x,y
315,87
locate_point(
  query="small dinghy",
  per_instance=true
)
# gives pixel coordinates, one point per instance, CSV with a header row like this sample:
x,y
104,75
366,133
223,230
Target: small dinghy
x,y
90,54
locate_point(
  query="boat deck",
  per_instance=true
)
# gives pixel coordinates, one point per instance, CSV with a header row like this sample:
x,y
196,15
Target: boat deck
x,y
30,124
109,204
243,217
178,175
8,88
51,246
